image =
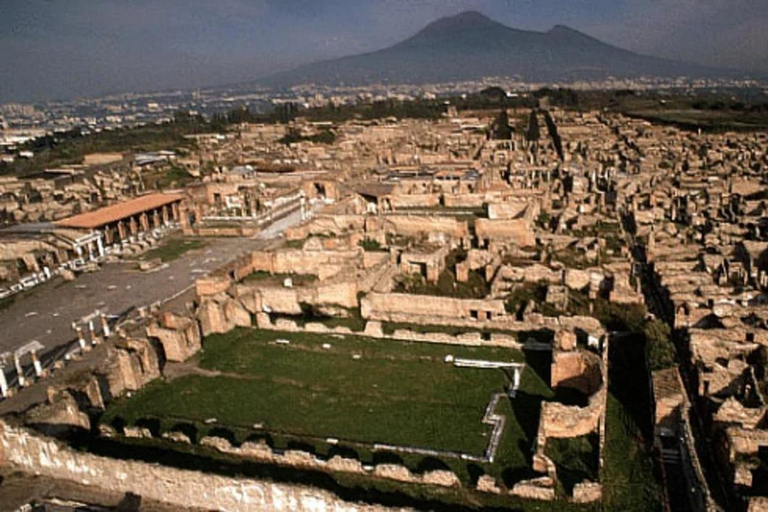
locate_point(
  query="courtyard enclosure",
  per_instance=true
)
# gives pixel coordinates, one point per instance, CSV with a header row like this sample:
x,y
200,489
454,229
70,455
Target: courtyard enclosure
x,y
363,393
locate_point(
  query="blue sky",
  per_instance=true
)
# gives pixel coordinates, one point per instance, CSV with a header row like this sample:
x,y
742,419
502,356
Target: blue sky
x,y
70,48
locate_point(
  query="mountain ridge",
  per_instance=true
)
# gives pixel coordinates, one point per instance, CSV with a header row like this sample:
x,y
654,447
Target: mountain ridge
x,y
471,45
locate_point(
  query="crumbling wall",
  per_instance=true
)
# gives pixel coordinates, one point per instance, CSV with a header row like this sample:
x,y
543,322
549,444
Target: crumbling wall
x,y
518,231
507,210
221,313
21,450
402,307
179,335
130,364
417,226
578,370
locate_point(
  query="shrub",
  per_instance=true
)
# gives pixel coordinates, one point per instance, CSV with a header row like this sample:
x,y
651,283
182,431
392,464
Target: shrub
x,y
370,245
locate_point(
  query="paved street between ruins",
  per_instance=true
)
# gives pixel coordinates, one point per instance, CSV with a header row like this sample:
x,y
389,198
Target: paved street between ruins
x,y
46,313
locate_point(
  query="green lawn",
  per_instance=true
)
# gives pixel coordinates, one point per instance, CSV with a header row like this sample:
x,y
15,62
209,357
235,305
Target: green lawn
x,y
173,248
396,393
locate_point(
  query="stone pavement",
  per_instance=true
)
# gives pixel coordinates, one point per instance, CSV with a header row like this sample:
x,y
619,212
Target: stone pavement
x,y
46,313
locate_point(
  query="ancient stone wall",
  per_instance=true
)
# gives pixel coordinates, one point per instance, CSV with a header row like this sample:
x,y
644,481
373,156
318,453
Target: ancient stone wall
x,y
319,263
579,370
417,226
414,200
373,329
513,230
23,451
394,306
180,336
507,210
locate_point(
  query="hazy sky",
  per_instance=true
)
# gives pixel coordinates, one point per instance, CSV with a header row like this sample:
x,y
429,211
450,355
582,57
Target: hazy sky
x,y
70,48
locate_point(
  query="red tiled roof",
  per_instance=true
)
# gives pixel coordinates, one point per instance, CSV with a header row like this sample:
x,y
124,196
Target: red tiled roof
x,y
115,212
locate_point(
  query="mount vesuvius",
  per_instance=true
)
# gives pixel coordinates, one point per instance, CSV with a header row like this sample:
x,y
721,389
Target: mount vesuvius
x,y
470,46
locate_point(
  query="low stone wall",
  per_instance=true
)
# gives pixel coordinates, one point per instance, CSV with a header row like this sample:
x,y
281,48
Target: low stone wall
x,y
301,459
586,372
374,329
179,335
380,306
21,450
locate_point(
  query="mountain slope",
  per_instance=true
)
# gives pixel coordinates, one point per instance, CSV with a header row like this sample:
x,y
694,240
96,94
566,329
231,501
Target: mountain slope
x,y
470,45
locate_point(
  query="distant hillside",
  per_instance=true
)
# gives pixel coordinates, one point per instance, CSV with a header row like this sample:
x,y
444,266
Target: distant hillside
x,y
470,45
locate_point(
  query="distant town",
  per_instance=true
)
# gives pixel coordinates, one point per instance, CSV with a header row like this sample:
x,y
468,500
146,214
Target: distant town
x,y
21,123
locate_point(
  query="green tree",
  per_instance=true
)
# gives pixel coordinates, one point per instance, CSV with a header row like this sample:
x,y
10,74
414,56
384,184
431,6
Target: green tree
x,y
661,350
533,133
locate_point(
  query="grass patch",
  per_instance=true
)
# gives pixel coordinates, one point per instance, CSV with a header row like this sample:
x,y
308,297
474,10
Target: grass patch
x,y
628,475
294,244
576,459
397,393
629,481
173,249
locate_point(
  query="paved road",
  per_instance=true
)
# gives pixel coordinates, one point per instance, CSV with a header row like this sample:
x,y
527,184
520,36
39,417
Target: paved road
x,y
46,313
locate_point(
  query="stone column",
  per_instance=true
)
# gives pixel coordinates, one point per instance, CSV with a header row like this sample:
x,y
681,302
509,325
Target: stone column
x,y
144,221
155,218
100,246
133,227
165,214
36,364
19,370
175,211
3,383
80,338
105,326
108,234
121,230
91,329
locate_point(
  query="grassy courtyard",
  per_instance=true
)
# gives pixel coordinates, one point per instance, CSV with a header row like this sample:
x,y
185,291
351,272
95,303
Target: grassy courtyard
x,y
360,391
395,392
173,248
